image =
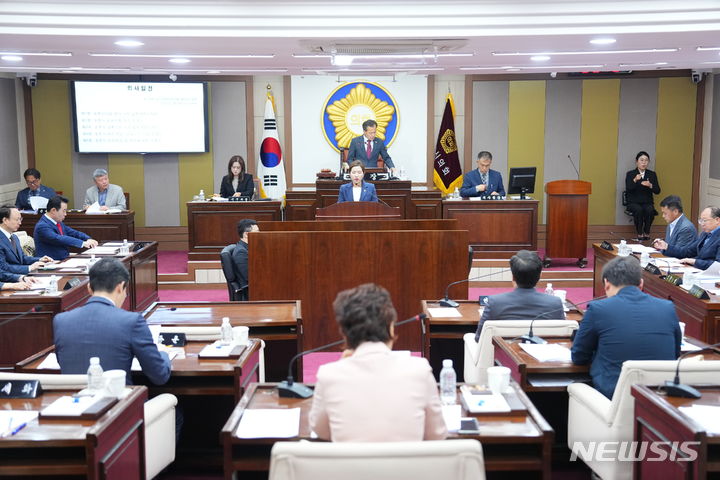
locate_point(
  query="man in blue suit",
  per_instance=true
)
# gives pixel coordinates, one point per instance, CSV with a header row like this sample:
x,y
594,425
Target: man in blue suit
x,y
100,328
52,237
34,189
11,251
680,230
367,190
523,303
628,325
12,281
482,181
367,148
705,249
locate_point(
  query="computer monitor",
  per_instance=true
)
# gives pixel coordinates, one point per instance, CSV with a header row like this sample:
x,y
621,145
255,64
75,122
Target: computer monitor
x,y
522,181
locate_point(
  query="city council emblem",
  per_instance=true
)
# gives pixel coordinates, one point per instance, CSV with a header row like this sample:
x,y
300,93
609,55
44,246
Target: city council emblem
x,y
349,105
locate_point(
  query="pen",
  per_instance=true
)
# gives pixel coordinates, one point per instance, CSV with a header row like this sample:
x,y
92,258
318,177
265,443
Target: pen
x,y
18,428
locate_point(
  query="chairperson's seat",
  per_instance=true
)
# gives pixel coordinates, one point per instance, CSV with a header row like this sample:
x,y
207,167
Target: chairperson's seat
x,y
431,460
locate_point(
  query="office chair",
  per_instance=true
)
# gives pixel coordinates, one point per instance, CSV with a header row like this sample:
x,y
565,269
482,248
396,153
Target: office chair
x,y
236,292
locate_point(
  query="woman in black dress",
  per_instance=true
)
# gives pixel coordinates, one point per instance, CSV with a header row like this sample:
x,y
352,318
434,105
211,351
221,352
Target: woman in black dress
x,y
640,185
237,183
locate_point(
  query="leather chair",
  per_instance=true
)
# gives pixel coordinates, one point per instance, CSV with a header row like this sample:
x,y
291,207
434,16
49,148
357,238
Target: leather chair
x,y
592,417
481,355
431,460
159,415
236,292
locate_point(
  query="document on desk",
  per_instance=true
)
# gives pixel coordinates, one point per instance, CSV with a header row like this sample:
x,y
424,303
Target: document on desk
x,y
68,406
104,250
12,421
706,415
135,365
481,401
269,423
444,312
50,362
548,352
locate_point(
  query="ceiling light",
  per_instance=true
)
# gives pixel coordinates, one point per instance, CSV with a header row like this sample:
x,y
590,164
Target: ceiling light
x,y
603,41
584,52
556,67
386,55
224,70
12,58
646,64
158,55
38,54
179,60
512,69
540,58
706,49
370,70
342,60
482,68
129,43
213,72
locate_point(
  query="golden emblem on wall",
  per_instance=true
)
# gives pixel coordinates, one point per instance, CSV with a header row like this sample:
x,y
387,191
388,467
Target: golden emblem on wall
x,y
349,105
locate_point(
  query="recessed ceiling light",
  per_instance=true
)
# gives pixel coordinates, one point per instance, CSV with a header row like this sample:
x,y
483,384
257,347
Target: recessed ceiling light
x,y
540,58
603,41
585,52
512,69
212,72
129,43
157,55
705,49
179,60
12,58
37,54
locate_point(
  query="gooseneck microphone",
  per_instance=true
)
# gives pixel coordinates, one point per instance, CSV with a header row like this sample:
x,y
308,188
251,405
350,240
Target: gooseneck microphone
x,y
35,308
573,165
532,338
676,389
447,302
291,389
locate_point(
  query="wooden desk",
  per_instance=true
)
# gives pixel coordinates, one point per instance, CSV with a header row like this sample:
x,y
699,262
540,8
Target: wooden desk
x,y
658,419
518,443
701,317
279,324
496,225
395,193
213,225
22,337
103,228
111,447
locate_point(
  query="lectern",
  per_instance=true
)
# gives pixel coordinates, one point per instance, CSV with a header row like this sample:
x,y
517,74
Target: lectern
x,y
358,211
567,220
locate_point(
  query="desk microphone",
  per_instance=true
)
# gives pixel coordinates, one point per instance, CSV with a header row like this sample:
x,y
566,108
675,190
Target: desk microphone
x,y
447,302
35,308
573,165
291,389
532,338
676,389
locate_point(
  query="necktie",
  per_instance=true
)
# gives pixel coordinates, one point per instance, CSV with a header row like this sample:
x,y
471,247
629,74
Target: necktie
x,y
13,242
369,148
483,178
59,225
668,233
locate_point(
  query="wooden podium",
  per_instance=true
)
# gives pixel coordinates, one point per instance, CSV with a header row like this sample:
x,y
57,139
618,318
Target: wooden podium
x,y
567,220
358,211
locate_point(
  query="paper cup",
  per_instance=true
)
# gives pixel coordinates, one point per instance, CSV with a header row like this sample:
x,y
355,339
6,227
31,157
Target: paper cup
x,y
561,294
114,382
498,379
240,335
682,329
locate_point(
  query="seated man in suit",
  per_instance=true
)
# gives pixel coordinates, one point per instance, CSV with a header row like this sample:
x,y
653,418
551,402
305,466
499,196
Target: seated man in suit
x,y
358,190
680,231
100,328
366,148
10,249
523,303
482,181
240,254
53,238
628,325
705,249
34,188
104,193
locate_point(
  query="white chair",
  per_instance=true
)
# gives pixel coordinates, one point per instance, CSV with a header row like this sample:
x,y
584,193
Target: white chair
x,y
159,417
210,334
592,417
481,355
431,460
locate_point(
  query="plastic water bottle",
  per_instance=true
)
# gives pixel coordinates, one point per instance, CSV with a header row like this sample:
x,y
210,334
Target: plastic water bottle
x,y
623,249
53,284
549,290
226,333
201,195
456,193
94,374
644,259
125,249
448,383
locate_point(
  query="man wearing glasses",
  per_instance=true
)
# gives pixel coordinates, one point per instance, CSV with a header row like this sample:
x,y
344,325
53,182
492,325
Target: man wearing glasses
x,y
706,249
34,189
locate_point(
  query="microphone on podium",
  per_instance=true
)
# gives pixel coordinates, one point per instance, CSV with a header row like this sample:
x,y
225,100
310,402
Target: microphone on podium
x,y
676,389
532,338
447,302
35,308
291,389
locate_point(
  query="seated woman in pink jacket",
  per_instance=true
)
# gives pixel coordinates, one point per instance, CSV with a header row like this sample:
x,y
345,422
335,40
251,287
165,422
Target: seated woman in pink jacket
x,y
371,394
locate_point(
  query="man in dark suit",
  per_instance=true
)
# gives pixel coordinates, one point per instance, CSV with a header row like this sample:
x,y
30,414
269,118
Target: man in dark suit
x,y
523,303
680,230
12,281
52,237
34,188
705,249
628,325
240,253
100,328
366,148
10,249
482,181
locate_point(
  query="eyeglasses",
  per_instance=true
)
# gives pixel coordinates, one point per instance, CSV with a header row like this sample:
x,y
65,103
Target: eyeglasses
x,y
34,182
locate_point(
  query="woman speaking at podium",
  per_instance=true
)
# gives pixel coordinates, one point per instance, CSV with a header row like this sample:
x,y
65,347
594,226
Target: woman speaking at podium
x,y
237,183
357,190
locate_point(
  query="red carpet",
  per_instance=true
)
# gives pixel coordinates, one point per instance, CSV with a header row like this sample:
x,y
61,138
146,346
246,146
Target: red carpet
x,y
172,261
193,295
575,294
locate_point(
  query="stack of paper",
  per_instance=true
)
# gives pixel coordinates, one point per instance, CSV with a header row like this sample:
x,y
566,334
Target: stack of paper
x,y
483,401
69,406
706,415
104,250
269,423
548,352
444,312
